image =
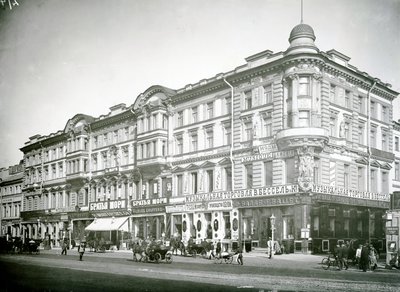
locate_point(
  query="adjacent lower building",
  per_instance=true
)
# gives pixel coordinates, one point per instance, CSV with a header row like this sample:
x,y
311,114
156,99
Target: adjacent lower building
x,y
11,181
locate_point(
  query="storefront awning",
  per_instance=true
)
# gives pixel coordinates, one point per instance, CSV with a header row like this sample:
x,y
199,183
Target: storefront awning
x,y
108,224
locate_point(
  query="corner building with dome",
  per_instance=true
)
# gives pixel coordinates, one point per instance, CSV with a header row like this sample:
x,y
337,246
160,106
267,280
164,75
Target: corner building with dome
x,y
301,137
288,135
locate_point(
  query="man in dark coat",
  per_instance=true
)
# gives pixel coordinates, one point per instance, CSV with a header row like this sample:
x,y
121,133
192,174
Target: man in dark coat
x,y
64,246
364,257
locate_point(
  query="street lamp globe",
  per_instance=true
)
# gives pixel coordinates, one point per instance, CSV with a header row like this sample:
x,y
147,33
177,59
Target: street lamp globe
x,y
272,219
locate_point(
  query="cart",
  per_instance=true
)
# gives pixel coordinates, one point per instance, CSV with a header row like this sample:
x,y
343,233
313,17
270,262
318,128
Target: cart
x,y
156,252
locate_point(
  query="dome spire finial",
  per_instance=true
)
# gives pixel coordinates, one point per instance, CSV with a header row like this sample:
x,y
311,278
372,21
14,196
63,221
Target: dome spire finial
x,y
301,20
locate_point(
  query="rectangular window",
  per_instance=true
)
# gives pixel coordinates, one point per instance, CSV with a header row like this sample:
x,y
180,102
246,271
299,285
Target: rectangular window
x,y
180,119
249,175
165,122
384,114
346,175
373,138
332,93
347,99
332,127
397,171
290,171
227,134
179,145
396,143
360,178
194,182
361,104
373,181
228,105
385,182
179,188
384,142
148,150
361,131
248,100
194,142
373,109
210,110
267,94
267,129
210,138
228,179
347,131
268,173
163,148
304,86
154,118
210,180
304,118
194,114
248,131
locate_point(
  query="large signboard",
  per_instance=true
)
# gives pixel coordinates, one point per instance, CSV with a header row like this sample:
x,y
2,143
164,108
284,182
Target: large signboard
x,y
149,202
248,193
149,210
267,202
268,155
324,189
107,205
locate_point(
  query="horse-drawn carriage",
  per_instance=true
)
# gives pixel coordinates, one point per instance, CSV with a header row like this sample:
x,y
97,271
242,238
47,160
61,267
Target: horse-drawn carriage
x,y
199,249
151,252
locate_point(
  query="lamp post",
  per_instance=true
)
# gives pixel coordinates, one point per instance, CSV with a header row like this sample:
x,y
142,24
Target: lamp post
x,y
272,218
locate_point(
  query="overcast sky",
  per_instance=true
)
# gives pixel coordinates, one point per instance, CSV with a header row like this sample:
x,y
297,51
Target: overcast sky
x,y
59,58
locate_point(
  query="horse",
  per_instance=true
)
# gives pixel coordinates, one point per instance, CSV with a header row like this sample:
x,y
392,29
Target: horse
x,y
176,243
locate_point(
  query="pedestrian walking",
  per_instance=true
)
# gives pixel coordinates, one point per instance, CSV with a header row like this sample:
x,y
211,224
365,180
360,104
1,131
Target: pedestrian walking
x,y
64,246
372,257
270,247
358,256
239,254
81,249
218,248
364,260
343,254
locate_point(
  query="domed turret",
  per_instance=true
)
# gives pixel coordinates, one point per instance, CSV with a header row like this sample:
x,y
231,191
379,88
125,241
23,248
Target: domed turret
x,y
301,40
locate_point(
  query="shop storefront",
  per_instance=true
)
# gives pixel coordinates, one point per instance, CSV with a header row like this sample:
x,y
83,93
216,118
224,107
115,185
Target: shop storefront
x,y
149,218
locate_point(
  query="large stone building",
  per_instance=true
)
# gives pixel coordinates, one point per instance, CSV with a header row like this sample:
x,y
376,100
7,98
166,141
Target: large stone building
x,y
301,136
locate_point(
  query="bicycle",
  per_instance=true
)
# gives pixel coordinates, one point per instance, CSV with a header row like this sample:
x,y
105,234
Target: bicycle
x,y
331,261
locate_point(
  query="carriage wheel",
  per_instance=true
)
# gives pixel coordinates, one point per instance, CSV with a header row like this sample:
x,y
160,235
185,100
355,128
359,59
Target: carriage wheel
x,y
229,259
168,258
157,257
218,260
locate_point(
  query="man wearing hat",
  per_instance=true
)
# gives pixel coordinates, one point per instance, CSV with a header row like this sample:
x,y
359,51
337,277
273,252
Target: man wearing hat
x,y
81,249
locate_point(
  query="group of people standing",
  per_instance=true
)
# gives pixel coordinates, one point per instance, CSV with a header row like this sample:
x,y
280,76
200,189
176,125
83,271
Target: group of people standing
x,y
366,257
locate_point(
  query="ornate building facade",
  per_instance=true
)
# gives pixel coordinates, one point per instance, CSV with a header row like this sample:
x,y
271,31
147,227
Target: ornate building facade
x,y
301,136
